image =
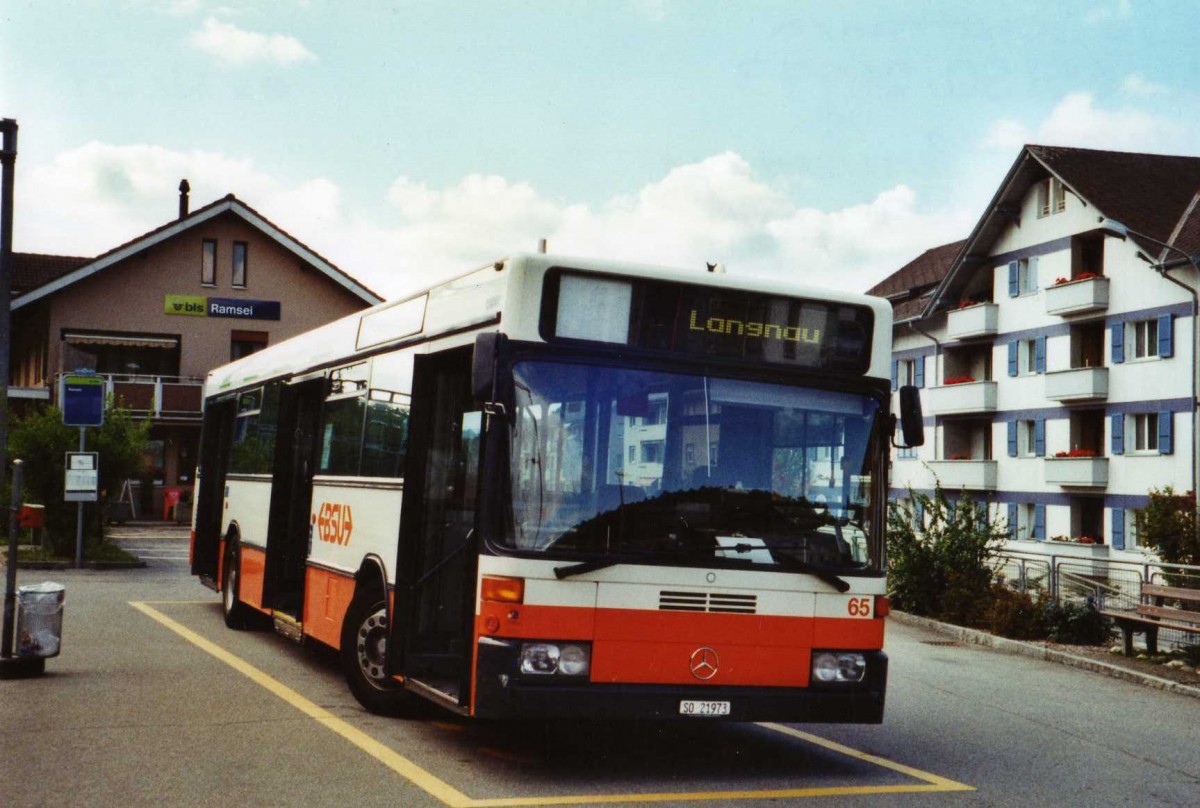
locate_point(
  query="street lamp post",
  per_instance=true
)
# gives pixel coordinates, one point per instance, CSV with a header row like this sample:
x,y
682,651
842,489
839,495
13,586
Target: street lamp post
x,y
1121,231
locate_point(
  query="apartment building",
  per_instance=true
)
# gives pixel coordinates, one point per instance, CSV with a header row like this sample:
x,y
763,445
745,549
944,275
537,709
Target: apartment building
x,y
1056,349
152,316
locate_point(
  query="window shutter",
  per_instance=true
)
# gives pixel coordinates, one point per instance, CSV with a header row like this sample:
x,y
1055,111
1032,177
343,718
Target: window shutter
x,y
1118,342
1012,358
1012,520
919,376
895,373
1039,522
1166,337
1039,355
1012,438
1118,528
1118,434
1165,432
1039,437
1014,288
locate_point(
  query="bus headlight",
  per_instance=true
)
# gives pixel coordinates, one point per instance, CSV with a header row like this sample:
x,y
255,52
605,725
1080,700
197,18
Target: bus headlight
x,y
838,666
550,658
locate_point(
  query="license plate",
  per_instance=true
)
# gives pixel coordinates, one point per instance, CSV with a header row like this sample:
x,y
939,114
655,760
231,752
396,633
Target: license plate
x,y
703,709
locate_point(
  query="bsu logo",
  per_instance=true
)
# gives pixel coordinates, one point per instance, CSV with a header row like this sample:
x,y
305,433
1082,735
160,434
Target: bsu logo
x,y
334,523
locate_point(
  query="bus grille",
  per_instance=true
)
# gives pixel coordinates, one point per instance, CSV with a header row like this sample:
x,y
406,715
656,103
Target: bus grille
x,y
707,602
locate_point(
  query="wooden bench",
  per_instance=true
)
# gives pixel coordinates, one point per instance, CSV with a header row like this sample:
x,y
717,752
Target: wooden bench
x,y
1149,616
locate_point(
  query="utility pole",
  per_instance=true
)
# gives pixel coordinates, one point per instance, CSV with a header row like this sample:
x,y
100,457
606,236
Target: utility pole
x,y
8,156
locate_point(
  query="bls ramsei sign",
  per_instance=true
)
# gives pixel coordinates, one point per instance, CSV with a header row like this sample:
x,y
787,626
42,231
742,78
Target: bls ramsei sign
x,y
82,397
200,306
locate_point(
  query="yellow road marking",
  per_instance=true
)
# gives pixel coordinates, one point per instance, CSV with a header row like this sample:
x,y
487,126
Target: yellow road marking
x,y
388,757
448,795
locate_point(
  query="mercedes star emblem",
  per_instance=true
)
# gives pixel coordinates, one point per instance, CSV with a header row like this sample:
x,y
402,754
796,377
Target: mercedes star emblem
x,y
704,663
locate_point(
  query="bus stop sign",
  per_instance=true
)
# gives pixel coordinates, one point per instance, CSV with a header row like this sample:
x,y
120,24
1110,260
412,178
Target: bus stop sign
x,y
82,400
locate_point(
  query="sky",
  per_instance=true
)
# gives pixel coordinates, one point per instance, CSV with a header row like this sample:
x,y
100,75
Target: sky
x,y
827,143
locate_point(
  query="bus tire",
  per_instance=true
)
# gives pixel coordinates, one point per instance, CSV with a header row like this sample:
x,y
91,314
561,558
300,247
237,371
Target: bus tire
x,y
236,613
362,653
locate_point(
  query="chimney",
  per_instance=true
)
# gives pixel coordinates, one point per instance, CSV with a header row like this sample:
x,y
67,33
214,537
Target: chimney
x,y
184,188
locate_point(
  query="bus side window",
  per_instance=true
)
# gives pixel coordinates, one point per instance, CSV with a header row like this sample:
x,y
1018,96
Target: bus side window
x,y
385,438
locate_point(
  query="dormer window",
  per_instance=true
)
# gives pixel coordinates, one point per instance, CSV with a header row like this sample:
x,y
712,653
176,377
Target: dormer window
x,y
1051,197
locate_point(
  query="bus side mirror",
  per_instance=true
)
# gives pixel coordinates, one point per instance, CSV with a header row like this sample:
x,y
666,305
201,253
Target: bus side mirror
x,y
912,422
486,385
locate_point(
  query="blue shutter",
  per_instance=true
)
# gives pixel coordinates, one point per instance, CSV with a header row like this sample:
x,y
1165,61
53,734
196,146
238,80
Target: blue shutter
x,y
1118,434
1013,286
1165,432
1039,522
1012,358
1118,342
1039,355
1012,519
1012,438
919,381
1118,529
1166,341
895,373
1039,437
919,513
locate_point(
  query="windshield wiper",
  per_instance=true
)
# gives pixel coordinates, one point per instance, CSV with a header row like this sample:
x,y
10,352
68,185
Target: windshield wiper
x,y
820,573
593,564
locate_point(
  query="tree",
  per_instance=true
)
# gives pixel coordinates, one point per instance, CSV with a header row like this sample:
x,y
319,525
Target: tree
x,y
42,441
941,557
1168,524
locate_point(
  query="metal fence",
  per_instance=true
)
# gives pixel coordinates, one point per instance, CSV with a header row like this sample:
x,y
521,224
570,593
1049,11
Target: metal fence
x,y
1107,584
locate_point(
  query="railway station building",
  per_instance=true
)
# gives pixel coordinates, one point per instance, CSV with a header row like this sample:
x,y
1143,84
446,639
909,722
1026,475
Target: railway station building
x,y
152,316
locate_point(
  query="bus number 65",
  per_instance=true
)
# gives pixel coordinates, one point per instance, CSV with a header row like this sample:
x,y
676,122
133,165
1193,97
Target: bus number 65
x,y
859,607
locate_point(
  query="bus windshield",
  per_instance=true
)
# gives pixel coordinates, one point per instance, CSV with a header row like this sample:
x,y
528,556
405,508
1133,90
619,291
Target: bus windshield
x,y
659,467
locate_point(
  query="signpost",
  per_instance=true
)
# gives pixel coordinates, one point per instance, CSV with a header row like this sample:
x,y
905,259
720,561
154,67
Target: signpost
x,y
82,398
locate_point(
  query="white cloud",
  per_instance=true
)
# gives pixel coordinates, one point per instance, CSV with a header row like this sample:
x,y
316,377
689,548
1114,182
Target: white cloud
x,y
234,46
93,198
1112,10
653,10
1078,121
1137,85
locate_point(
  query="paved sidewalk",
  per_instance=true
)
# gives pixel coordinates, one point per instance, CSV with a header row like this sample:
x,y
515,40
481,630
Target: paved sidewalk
x,y
134,531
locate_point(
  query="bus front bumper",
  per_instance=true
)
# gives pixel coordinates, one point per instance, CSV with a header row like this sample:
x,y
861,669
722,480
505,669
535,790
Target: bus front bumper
x,y
500,695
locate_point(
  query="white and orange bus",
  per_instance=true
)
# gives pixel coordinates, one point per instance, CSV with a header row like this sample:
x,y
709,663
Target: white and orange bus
x,y
568,488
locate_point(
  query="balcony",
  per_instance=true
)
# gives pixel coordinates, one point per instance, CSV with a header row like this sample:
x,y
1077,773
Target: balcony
x,y
1077,472
1077,296
973,321
975,475
1077,384
961,397
169,398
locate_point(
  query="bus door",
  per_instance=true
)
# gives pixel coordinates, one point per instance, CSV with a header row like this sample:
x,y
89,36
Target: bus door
x,y
438,551
215,440
291,495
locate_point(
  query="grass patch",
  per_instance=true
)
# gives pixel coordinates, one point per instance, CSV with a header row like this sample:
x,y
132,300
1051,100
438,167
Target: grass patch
x,y
103,552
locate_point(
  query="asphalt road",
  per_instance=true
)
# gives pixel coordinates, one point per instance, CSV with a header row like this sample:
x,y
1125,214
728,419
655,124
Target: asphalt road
x,y
154,702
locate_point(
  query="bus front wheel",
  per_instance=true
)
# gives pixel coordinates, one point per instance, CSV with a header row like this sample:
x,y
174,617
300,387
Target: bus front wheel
x,y
363,656
235,612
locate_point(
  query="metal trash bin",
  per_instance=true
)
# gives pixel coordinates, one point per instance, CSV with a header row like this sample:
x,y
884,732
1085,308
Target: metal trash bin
x,y
39,619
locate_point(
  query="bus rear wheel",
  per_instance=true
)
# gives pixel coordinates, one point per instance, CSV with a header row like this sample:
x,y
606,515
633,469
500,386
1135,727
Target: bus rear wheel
x,y
363,655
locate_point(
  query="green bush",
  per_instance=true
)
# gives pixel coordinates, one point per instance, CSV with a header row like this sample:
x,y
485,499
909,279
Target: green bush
x,y
1074,623
1016,615
1168,524
943,569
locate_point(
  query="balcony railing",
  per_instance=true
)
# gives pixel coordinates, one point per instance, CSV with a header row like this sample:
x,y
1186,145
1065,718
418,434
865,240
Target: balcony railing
x,y
1082,472
977,475
979,320
1077,384
1077,297
159,397
961,397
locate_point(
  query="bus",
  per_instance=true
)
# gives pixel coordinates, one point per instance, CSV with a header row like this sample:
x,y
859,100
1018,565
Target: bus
x,y
564,488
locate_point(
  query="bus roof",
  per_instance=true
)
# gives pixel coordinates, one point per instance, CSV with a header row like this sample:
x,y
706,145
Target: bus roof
x,y
504,295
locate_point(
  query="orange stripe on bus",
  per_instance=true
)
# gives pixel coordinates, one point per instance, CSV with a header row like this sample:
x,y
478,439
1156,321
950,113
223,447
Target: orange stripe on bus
x,y
327,596
252,571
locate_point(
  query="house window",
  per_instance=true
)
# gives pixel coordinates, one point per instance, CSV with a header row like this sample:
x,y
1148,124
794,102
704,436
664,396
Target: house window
x,y
689,454
239,264
1051,197
1144,336
652,451
1026,519
208,263
633,454
1027,357
1027,276
244,343
1145,432
1026,438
